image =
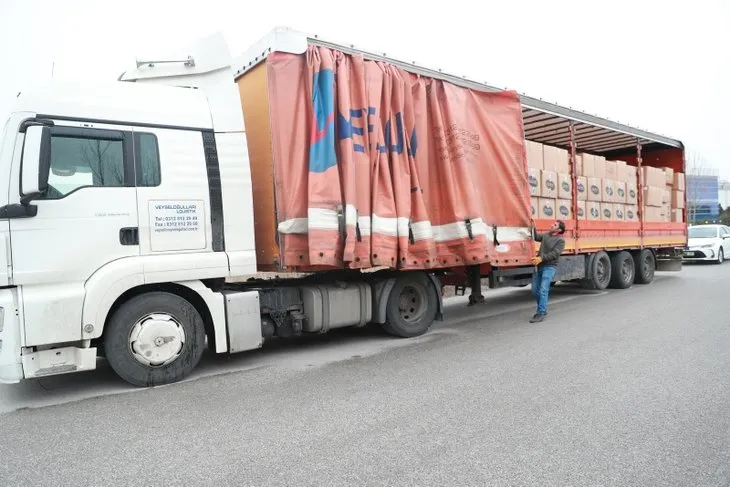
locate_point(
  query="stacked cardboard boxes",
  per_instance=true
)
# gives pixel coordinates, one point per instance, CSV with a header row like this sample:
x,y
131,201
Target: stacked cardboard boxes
x,y
606,189
611,189
550,182
663,195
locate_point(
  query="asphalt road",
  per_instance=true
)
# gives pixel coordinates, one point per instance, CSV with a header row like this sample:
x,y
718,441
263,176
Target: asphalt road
x,y
616,388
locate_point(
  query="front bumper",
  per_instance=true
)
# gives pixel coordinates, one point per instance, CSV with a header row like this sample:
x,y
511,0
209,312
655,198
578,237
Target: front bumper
x,y
700,254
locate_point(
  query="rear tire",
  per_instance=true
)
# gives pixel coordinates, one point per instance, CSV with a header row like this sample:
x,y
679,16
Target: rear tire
x,y
644,266
412,306
155,338
622,270
598,273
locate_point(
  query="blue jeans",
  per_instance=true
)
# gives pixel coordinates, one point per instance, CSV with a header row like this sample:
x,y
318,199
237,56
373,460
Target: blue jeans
x,y
541,286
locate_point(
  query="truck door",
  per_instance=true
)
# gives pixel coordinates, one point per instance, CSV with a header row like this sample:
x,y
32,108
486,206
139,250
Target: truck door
x,y
174,206
86,219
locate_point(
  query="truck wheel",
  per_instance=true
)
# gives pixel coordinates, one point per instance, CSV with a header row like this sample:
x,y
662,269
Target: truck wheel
x,y
412,306
622,270
155,338
645,266
598,273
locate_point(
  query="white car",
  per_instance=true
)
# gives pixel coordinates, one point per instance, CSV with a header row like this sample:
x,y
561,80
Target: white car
x,y
707,243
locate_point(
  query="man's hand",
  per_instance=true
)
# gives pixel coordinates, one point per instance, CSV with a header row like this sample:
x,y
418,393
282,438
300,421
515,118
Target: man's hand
x,y
536,260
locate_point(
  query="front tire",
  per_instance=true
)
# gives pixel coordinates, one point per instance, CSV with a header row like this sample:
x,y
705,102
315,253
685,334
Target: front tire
x,y
412,306
155,338
720,257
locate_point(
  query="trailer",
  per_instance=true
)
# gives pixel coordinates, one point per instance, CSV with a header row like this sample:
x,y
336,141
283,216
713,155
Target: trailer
x,y
207,201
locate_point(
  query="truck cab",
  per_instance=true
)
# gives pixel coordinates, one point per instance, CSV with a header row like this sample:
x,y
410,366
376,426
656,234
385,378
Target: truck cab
x,y
107,190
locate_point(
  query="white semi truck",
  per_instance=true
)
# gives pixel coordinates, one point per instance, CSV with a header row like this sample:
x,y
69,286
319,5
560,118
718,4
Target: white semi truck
x,y
129,230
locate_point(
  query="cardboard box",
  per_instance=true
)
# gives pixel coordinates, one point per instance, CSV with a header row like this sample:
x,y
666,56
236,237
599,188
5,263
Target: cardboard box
x,y
564,209
631,214
546,208
533,180
548,184
619,212
621,170
653,214
588,165
668,175
611,170
653,177
677,216
565,186
620,194
678,182
593,210
667,196
533,206
653,196
581,210
555,159
578,165
607,211
628,173
677,199
632,193
609,190
599,167
666,213
534,154
594,189
582,188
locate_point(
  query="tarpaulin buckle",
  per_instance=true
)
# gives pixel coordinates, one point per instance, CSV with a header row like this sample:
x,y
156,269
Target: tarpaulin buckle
x,y
341,224
468,229
494,234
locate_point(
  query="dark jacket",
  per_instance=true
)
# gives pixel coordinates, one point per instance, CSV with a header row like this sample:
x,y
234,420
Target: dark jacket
x,y
551,247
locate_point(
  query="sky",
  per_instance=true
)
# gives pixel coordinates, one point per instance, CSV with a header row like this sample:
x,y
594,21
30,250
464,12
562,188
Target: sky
x,y
659,65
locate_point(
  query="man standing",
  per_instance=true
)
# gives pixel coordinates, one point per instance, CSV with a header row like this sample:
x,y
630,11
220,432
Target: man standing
x,y
552,245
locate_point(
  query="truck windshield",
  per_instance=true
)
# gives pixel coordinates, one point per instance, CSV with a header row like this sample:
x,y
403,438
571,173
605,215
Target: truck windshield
x,y
702,232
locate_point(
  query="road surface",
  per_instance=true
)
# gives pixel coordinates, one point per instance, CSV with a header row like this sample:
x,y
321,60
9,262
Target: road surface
x,y
615,388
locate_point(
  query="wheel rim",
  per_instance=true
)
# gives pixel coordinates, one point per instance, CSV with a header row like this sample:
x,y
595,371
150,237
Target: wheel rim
x,y
627,270
156,340
412,304
648,267
601,270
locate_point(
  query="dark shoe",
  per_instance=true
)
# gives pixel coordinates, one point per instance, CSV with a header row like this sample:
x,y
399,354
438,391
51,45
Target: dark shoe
x,y
537,318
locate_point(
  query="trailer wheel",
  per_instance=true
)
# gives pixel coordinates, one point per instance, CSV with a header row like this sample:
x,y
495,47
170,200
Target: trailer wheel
x,y
645,266
598,273
155,338
412,306
622,270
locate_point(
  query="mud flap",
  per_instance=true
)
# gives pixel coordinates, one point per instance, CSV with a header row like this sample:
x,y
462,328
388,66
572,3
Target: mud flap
x,y
669,260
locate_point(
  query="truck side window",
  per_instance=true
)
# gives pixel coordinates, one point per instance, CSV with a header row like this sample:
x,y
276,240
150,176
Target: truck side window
x,y
78,162
148,160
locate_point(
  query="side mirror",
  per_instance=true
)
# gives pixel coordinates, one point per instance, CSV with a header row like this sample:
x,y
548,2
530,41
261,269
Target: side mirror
x,y
36,163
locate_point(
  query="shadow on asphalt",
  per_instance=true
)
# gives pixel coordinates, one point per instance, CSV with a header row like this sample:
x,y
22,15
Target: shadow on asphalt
x,y
339,344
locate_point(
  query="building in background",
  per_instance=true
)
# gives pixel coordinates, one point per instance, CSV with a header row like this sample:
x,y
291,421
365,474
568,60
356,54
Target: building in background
x,y
703,197
723,195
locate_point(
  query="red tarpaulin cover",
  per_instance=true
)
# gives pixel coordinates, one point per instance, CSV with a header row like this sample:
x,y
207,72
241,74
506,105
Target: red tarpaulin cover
x,y
375,166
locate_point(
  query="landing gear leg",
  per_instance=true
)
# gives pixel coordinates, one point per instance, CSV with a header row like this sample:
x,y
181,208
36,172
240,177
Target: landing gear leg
x,y
475,283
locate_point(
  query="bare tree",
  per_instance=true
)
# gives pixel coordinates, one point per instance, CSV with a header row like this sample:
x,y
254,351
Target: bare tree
x,y
105,164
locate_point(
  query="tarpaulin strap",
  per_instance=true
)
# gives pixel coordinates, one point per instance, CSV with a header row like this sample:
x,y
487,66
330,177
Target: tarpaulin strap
x,y
494,234
468,229
411,238
358,233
